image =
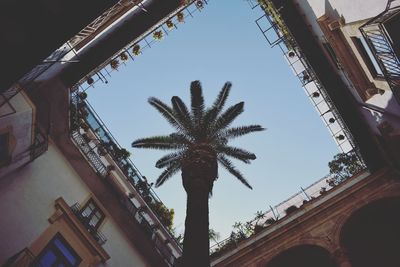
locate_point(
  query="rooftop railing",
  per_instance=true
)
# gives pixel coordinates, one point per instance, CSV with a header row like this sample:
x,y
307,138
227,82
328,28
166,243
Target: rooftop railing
x,y
276,32
274,214
149,38
381,45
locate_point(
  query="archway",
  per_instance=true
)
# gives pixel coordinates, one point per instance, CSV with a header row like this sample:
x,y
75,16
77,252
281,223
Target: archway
x,y
371,237
304,255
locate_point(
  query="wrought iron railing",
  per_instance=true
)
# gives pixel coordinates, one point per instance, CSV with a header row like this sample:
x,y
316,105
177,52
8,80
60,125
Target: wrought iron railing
x,y
151,230
102,143
143,42
381,45
278,34
272,216
95,233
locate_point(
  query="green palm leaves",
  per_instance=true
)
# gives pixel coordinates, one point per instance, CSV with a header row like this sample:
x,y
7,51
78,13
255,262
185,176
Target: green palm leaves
x,y
199,126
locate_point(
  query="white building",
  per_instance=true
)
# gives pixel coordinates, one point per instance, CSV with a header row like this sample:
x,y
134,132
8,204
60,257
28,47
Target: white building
x,y
70,196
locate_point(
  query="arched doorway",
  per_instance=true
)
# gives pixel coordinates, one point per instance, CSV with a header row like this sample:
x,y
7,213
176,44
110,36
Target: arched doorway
x,y
304,255
371,237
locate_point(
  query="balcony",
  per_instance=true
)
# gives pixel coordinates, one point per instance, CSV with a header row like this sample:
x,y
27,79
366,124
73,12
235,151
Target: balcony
x,y
96,234
108,159
381,35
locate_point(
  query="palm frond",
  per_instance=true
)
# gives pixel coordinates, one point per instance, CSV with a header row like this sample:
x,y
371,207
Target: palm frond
x,y
168,173
227,164
166,112
240,131
160,142
182,113
227,117
237,153
168,159
197,101
218,104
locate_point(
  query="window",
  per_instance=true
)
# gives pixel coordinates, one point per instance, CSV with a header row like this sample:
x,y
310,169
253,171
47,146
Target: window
x,y
92,214
4,147
58,253
368,57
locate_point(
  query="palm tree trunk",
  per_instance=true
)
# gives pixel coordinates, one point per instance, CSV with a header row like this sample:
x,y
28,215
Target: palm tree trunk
x,y
196,243
199,171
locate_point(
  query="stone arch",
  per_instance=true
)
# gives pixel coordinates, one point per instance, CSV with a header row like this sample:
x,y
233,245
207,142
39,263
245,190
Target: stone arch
x,y
303,255
391,190
371,235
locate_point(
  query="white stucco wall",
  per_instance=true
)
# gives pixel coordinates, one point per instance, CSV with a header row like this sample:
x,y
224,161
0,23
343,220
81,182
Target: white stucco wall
x,y
351,11
27,198
18,121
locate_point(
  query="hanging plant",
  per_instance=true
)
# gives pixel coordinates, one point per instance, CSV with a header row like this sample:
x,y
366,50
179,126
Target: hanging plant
x,y
170,24
180,17
158,35
90,81
114,64
101,150
199,4
123,56
83,95
136,50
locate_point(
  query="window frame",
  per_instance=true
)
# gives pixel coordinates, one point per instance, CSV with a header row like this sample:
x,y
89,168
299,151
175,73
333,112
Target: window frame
x,y
61,257
92,213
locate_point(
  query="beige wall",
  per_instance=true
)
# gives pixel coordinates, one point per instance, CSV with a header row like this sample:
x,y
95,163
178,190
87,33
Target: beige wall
x,y
27,199
17,121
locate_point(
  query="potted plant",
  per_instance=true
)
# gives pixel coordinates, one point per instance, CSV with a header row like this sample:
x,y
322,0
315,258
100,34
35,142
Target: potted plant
x,y
291,209
170,24
270,221
90,81
101,150
158,35
199,4
180,17
258,228
136,50
82,95
124,56
114,64
86,137
110,168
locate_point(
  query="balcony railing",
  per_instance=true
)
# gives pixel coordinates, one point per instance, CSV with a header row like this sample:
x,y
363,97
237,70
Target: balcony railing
x,y
381,45
276,32
273,215
97,235
102,72
96,142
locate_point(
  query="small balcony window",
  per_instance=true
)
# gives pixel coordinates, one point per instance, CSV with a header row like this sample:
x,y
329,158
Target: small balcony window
x,y
92,214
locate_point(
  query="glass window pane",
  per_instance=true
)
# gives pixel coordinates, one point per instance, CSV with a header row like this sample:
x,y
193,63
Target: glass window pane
x,y
65,251
47,259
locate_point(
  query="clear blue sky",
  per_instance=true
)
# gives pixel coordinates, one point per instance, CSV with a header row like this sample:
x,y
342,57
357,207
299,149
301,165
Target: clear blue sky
x,y
222,43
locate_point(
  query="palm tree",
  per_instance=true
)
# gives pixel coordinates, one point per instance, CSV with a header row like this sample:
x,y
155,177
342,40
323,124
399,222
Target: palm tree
x,y
199,144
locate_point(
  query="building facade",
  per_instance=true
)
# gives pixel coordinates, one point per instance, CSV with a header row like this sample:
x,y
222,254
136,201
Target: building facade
x,y
70,195
345,54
